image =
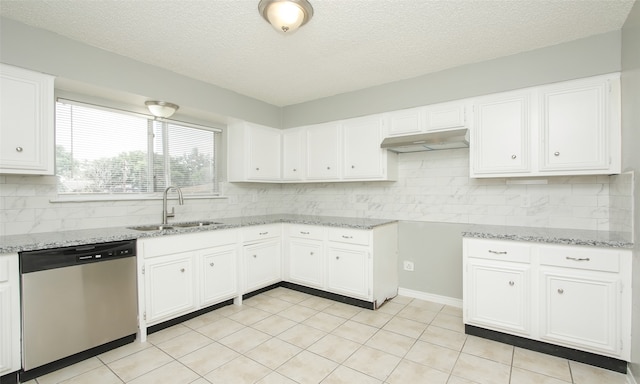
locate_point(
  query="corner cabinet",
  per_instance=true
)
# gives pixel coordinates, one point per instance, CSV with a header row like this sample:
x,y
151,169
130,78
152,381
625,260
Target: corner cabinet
x,y
254,152
573,296
10,359
26,122
184,273
567,128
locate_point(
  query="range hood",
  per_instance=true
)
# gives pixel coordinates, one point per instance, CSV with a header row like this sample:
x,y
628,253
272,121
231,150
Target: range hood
x,y
429,141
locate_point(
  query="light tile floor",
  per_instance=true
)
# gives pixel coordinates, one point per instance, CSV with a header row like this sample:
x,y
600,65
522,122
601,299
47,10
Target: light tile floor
x,y
284,336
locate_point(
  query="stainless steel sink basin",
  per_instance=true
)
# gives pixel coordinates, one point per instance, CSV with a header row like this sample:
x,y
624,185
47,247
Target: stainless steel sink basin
x,y
151,227
190,224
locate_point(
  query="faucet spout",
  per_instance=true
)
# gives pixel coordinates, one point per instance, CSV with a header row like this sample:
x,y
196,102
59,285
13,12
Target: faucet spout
x,y
165,213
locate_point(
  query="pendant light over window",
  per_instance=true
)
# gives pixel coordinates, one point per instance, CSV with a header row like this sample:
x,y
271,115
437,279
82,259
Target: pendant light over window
x,y
286,15
161,108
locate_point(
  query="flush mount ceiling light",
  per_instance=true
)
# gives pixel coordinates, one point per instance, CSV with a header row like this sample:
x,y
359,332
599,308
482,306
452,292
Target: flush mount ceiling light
x,y
161,108
286,15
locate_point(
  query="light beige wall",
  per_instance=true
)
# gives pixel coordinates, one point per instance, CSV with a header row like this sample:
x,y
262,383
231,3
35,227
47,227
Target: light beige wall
x,y
47,52
631,157
593,55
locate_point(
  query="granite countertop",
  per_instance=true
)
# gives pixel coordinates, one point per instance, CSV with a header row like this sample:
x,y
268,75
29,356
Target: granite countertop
x,y
551,235
46,240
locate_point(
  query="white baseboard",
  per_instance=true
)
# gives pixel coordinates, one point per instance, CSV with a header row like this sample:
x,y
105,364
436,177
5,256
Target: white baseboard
x,y
431,297
630,378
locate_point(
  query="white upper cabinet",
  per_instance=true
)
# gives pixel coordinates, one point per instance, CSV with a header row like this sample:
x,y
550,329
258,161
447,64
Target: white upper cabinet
x,y
434,117
500,139
567,128
254,152
577,126
26,122
323,151
363,157
293,142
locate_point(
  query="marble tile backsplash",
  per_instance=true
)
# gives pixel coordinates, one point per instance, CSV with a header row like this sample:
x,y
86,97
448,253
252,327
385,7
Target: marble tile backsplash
x,y
431,186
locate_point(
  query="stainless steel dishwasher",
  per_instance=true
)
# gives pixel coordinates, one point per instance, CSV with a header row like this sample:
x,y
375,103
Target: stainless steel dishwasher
x,y
77,302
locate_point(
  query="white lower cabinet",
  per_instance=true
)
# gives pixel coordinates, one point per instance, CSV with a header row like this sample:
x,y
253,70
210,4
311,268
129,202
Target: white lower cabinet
x,y
184,273
306,262
499,295
349,271
169,285
9,314
261,255
573,296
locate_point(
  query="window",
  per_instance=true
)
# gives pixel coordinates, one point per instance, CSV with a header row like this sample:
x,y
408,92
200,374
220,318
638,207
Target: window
x,y
107,151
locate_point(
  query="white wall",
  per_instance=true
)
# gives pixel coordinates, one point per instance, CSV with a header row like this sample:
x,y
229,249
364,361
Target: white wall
x,y
631,156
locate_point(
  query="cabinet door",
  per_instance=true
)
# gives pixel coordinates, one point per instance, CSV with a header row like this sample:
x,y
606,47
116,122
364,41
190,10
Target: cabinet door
x,y
10,359
498,295
406,121
306,262
574,125
323,149
500,136
218,274
26,122
292,145
262,264
363,157
446,116
169,286
580,309
348,271
264,153
6,329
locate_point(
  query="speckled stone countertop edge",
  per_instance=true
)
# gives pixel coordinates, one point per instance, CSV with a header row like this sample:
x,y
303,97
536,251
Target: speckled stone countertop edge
x,y
603,239
48,240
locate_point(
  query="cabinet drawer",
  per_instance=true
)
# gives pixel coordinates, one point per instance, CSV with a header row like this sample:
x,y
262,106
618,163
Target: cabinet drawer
x,y
498,250
596,259
307,232
259,232
167,245
351,236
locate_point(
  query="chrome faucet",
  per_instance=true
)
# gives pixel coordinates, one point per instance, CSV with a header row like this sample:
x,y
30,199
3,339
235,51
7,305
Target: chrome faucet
x,y
166,214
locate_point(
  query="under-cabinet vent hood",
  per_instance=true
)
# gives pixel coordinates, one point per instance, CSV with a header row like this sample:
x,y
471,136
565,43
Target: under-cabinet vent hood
x,y
430,141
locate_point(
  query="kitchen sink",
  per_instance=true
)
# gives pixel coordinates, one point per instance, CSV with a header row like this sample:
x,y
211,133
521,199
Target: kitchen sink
x,y
190,224
187,224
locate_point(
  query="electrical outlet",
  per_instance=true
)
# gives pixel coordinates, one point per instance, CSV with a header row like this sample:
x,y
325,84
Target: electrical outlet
x,y
408,265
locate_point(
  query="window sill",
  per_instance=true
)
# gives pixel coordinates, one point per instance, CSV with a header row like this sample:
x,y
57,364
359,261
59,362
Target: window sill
x,y
89,198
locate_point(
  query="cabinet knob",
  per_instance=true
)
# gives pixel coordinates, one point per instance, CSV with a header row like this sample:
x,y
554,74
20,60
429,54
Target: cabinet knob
x,y
556,154
295,170
560,291
18,149
513,156
211,264
511,283
257,169
353,166
311,253
337,257
182,270
328,168
255,256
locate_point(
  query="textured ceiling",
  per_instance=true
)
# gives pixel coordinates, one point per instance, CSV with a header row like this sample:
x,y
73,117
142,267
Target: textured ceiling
x,y
348,45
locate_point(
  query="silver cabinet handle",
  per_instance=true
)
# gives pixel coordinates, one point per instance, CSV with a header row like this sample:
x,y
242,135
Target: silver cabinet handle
x,y
577,258
556,154
498,252
347,237
304,233
182,270
18,149
211,264
560,291
263,233
511,283
513,156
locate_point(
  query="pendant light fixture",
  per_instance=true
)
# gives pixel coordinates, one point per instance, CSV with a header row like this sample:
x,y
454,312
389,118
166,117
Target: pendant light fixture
x,y
161,108
286,15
